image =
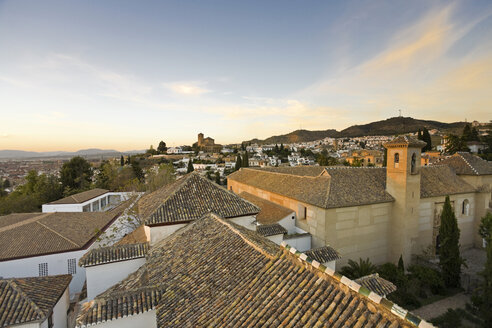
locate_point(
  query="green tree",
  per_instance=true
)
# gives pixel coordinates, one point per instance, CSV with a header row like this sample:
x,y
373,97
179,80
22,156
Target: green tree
x,y
450,260
401,266
456,144
467,133
6,183
238,162
162,147
163,176
190,167
122,161
245,160
137,170
385,157
356,270
419,135
151,150
482,298
427,138
217,177
485,226
76,175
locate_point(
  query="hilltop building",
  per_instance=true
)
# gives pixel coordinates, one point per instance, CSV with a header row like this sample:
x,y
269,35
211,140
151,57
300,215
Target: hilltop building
x,y
379,213
207,144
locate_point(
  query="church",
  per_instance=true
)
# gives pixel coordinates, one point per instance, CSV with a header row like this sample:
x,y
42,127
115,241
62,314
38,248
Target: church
x,y
378,213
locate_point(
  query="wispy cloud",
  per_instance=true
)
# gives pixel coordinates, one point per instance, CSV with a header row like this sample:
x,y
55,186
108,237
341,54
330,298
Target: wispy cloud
x,y
191,88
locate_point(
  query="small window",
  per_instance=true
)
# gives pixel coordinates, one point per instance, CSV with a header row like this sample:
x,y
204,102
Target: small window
x,y
397,159
43,269
413,164
86,208
465,207
301,212
95,206
72,266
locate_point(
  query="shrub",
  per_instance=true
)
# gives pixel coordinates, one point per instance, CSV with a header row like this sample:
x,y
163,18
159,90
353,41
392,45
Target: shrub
x,y
356,270
391,272
450,319
428,278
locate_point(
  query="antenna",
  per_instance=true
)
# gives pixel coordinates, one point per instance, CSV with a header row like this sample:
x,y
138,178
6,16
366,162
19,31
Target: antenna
x,y
399,111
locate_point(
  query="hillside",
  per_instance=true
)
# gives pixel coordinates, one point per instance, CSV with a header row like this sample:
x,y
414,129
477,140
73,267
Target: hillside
x,y
390,126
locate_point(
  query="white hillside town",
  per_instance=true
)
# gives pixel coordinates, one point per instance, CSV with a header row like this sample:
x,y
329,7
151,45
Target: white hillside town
x,y
117,257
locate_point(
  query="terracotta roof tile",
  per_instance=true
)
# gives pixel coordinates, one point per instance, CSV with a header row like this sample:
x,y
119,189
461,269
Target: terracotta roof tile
x,y
271,230
190,198
115,253
440,180
375,283
468,164
323,254
407,141
81,197
215,273
269,212
24,300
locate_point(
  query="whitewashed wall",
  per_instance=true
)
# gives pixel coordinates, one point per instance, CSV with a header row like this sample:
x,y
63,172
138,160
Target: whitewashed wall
x,y
57,264
60,311
143,320
277,239
158,233
50,208
246,221
101,277
289,223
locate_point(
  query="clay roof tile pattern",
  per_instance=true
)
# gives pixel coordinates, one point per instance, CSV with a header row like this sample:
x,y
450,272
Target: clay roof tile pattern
x,y
189,198
215,273
81,197
269,212
24,300
440,180
270,230
115,253
468,164
323,254
375,283
406,141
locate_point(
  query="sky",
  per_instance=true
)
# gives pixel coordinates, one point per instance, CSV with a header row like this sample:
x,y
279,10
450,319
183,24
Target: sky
x,y
126,74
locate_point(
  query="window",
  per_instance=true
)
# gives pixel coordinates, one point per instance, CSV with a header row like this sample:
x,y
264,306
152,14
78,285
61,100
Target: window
x,y
301,212
95,206
465,207
103,202
43,269
86,208
413,164
72,266
397,159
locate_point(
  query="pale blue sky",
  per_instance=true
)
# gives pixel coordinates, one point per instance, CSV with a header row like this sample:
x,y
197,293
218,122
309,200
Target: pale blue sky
x,y
126,74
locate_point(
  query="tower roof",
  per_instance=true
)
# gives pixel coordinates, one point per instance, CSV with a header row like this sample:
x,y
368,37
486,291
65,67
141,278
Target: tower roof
x,y
405,141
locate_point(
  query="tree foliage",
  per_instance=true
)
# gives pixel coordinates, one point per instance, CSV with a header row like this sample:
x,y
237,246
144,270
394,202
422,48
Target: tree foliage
x,y
162,147
356,270
485,226
190,167
482,298
455,144
238,163
76,175
450,260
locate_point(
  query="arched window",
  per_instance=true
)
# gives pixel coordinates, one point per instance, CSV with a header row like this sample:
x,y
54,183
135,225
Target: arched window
x,y
397,159
465,207
413,164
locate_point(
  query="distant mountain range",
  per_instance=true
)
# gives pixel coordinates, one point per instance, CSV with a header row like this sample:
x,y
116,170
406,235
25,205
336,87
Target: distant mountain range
x,y
390,126
92,152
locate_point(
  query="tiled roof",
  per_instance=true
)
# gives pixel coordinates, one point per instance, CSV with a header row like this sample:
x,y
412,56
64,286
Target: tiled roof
x,y
24,300
333,186
189,198
115,253
215,273
468,164
136,236
119,306
81,197
323,254
47,233
376,284
440,180
406,141
347,186
269,211
270,229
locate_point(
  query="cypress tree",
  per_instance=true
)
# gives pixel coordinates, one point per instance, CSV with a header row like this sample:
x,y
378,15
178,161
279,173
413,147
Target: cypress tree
x,y
401,266
467,133
419,135
450,260
245,160
385,157
217,177
238,162
122,161
427,138
483,297
190,167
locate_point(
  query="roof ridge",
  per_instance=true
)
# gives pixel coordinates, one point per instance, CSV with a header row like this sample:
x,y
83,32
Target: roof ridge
x,y
281,173
24,222
246,240
19,289
394,308
59,234
466,161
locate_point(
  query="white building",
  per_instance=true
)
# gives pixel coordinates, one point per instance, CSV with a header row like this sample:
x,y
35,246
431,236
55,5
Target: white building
x,y
94,200
42,244
35,302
